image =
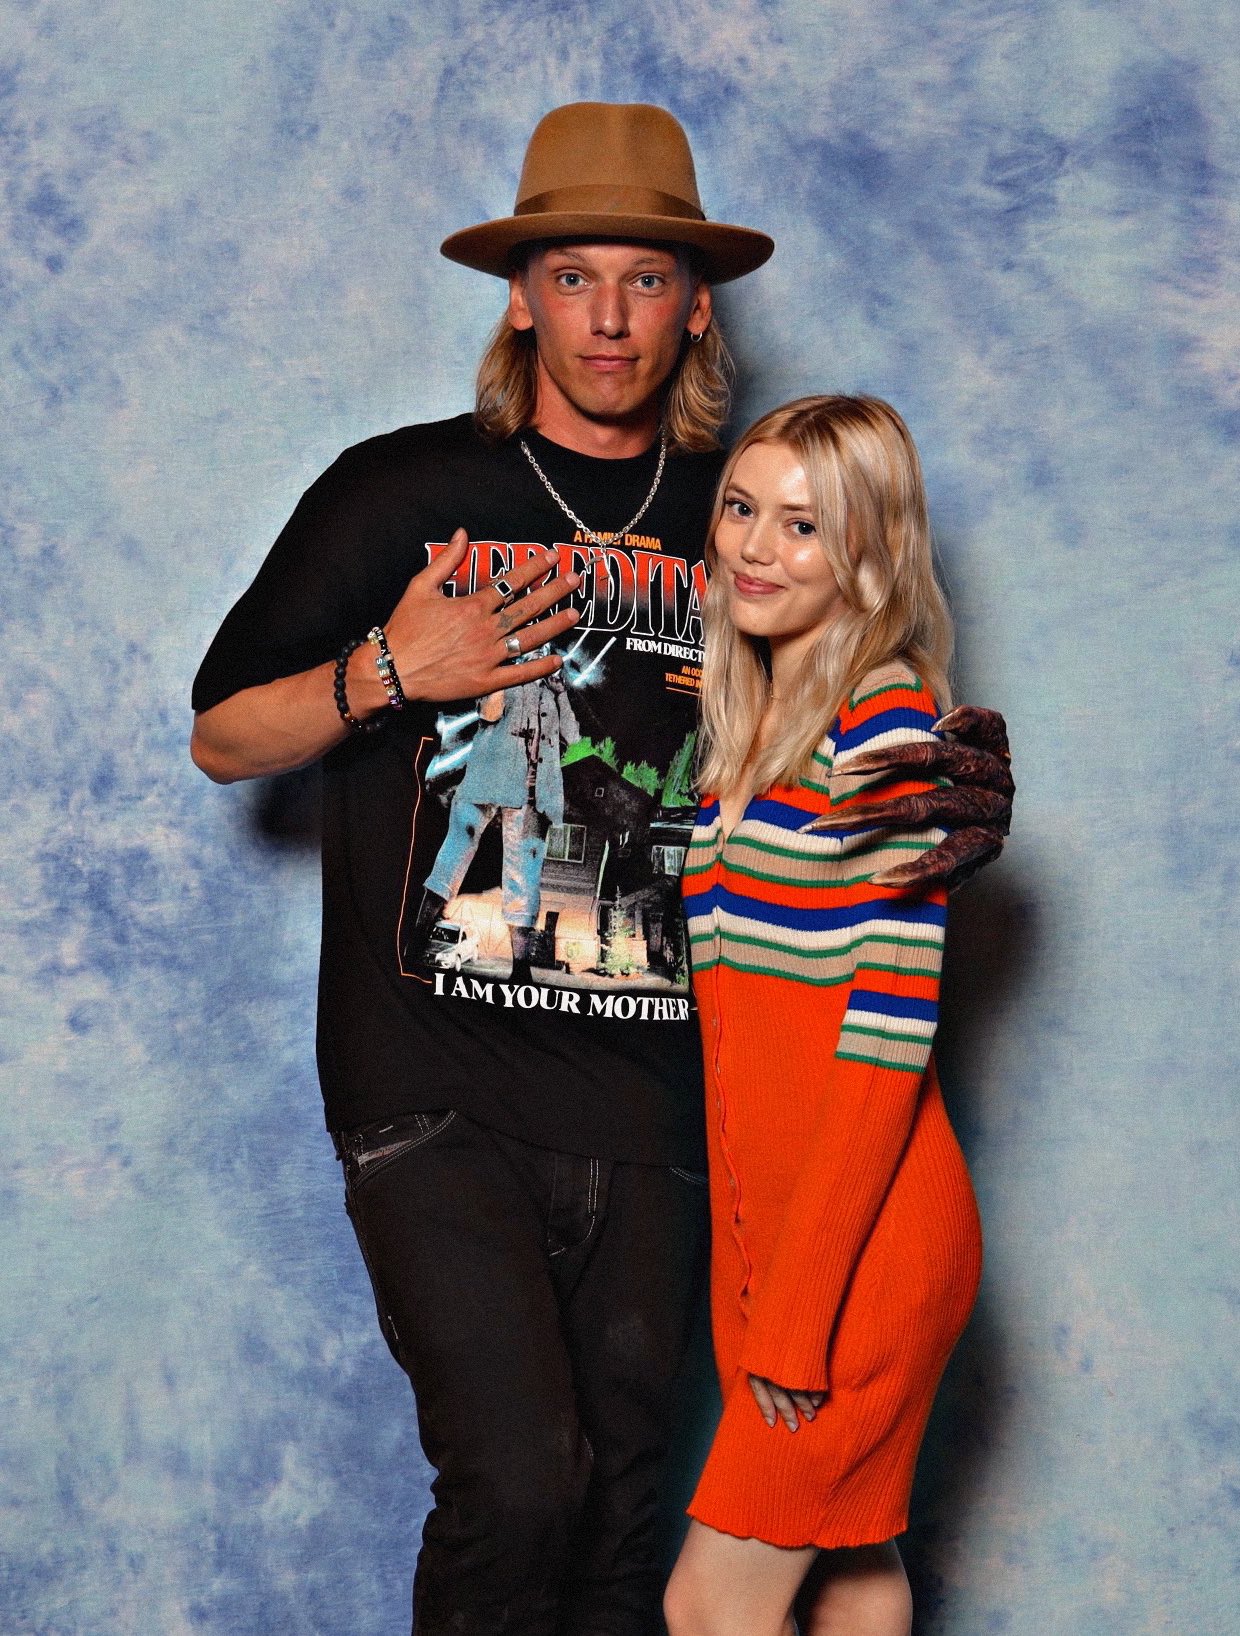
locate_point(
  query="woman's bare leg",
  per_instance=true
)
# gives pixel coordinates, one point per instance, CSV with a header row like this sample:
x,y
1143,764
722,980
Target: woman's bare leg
x,y
860,1591
724,1586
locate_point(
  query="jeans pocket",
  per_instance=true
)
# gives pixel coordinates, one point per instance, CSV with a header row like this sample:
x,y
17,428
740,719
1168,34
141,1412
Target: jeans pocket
x,y
373,1148
697,1178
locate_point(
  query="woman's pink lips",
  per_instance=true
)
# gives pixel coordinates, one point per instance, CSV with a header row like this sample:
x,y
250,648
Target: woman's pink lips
x,y
754,587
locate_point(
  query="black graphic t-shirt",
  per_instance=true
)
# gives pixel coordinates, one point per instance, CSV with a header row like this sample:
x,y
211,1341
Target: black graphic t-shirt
x,y
501,916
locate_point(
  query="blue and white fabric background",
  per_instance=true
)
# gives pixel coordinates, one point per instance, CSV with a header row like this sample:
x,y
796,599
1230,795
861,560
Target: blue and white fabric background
x,y
1015,218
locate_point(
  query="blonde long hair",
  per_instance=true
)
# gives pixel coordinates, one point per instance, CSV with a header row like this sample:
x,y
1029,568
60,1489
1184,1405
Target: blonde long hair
x,y
869,506
695,407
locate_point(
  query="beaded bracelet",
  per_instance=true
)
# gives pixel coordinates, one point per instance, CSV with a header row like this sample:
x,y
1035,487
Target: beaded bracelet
x,y
342,699
386,668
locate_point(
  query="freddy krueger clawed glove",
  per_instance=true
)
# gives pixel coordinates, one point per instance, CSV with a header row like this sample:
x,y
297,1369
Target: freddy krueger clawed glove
x,y
976,807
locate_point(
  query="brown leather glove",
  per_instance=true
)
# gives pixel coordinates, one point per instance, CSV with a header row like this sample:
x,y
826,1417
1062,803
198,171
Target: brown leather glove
x,y
976,807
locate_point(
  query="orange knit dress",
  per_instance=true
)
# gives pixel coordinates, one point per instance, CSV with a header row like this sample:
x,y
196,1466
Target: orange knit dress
x,y
846,1246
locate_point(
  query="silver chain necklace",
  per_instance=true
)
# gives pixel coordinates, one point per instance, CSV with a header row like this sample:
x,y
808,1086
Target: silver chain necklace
x,y
593,537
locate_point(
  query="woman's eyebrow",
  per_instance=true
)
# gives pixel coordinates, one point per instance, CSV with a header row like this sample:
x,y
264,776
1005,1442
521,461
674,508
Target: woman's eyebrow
x,y
734,491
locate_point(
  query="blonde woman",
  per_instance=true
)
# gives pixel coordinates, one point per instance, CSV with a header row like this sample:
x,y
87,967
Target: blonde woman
x,y
846,1244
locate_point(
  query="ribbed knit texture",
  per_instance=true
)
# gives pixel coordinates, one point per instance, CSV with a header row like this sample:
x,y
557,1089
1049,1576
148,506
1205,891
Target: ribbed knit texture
x,y
846,1244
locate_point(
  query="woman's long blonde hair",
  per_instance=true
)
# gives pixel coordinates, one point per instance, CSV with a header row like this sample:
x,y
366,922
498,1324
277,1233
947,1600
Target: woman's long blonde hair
x,y
869,506
695,407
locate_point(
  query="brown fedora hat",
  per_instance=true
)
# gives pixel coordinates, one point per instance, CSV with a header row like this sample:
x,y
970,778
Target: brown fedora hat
x,y
617,170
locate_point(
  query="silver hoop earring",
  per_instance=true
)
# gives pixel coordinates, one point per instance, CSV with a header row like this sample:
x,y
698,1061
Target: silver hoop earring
x,y
696,338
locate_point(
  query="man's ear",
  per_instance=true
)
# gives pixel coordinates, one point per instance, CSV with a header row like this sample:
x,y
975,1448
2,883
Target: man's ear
x,y
698,321
519,315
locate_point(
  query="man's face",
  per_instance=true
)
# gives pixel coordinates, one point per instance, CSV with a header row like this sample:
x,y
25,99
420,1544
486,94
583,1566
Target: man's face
x,y
609,320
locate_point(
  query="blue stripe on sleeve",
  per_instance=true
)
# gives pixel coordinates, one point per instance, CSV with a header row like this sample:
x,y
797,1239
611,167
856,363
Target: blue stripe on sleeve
x,y
893,1005
887,721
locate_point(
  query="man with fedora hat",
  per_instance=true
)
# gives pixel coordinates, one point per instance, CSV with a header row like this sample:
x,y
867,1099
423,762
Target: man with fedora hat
x,y
519,1116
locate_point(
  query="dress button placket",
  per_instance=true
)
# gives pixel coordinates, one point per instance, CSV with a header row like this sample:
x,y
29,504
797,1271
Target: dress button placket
x,y
720,1099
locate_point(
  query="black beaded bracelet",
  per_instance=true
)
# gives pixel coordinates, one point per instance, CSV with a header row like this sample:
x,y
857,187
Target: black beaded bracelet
x,y
386,667
342,698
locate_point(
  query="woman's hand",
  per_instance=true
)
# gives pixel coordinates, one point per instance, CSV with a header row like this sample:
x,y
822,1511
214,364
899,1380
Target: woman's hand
x,y
783,1403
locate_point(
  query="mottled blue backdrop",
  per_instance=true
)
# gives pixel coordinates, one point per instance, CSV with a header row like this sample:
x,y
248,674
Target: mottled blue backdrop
x,y
1015,218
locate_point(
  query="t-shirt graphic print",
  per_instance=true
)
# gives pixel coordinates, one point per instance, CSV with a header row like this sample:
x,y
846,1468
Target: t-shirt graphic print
x,y
561,860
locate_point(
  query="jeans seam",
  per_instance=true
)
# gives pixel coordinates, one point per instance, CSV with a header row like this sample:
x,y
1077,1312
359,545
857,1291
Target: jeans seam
x,y
695,1178
593,1199
386,1321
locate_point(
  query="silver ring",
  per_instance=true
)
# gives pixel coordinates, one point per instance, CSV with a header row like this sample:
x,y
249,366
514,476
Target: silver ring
x,y
505,590
513,645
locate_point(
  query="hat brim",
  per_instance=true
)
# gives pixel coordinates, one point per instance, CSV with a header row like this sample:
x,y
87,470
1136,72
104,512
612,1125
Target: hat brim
x,y
726,252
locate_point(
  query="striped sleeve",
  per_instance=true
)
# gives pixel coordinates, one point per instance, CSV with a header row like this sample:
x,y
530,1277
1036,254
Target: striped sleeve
x,y
876,1065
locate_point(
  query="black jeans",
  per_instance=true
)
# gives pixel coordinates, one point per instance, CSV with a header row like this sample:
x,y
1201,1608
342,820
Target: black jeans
x,y
540,1304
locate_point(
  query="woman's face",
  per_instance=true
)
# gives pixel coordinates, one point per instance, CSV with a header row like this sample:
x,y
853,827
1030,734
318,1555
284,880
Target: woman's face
x,y
771,562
